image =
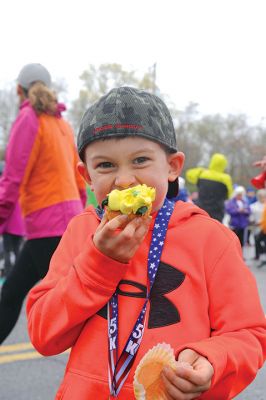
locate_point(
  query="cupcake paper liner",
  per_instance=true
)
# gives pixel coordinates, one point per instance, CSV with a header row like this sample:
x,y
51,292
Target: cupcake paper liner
x,y
148,384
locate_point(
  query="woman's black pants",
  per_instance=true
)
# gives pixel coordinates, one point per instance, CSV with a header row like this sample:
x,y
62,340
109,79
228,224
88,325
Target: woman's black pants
x,y
31,265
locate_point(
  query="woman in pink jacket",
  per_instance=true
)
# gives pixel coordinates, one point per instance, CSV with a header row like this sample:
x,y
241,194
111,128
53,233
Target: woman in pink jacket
x,y
12,233
40,171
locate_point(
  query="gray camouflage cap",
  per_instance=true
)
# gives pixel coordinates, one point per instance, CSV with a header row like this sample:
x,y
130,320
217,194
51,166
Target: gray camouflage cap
x,y
127,111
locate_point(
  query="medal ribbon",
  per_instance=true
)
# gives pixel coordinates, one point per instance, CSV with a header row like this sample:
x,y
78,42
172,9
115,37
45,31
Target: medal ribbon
x,y
119,368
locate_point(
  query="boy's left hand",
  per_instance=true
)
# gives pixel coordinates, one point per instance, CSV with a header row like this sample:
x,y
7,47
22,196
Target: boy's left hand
x,y
191,378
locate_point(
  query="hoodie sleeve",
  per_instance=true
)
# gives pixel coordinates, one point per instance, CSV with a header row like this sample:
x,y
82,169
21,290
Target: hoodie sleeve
x,y
193,174
74,289
237,346
22,137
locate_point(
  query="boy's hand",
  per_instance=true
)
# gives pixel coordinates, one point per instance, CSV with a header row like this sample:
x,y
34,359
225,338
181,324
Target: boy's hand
x,y
191,378
118,238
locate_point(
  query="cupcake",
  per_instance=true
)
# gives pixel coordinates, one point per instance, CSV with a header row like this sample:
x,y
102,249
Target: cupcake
x,y
134,202
148,384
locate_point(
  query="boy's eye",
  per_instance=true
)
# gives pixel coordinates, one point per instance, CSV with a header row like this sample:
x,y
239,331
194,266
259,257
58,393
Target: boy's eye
x,y
104,164
140,160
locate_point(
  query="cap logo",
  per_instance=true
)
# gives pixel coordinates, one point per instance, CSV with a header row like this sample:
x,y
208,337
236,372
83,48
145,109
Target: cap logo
x,y
117,126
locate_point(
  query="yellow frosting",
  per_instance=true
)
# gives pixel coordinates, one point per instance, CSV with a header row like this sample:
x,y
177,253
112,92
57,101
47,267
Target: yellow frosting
x,y
129,200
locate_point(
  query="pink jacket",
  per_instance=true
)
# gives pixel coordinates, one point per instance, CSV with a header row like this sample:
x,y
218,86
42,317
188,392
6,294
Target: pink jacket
x,y
14,224
23,165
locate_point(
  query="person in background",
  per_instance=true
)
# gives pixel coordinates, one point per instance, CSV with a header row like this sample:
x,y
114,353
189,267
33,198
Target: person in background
x,y
263,235
214,185
251,198
40,170
251,195
259,181
255,220
239,210
12,233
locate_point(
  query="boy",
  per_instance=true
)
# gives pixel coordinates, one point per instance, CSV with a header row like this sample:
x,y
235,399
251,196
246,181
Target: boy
x,y
93,298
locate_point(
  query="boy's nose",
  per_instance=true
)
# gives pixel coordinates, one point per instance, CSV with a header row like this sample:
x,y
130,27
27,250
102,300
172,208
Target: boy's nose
x,y
124,181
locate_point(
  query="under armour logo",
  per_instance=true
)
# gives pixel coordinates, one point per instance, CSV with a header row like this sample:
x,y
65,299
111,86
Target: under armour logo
x,y
162,311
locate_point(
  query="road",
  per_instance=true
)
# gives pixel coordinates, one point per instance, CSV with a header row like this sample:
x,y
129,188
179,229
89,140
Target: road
x,y
25,375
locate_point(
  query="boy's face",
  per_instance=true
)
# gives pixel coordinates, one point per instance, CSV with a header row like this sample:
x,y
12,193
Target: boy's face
x,y
123,163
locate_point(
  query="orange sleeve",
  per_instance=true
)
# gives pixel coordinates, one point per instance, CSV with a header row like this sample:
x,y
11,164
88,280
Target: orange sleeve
x,y
263,220
237,345
73,290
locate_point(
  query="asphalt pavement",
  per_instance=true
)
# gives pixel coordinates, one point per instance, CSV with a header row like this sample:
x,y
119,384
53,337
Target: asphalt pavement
x,y
25,375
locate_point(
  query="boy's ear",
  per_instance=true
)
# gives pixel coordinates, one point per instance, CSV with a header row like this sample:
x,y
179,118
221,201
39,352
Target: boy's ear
x,y
176,162
84,172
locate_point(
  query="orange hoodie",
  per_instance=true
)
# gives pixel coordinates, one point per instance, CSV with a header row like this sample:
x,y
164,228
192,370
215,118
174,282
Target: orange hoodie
x,y
204,298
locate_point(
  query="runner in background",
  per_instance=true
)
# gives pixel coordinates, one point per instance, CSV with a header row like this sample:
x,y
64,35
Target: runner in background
x,y
40,170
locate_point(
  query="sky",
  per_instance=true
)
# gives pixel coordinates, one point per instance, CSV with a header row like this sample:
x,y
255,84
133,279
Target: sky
x,y
211,52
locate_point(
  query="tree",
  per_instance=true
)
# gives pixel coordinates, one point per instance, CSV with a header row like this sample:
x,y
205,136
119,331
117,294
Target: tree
x,y
60,88
8,110
188,138
230,135
98,81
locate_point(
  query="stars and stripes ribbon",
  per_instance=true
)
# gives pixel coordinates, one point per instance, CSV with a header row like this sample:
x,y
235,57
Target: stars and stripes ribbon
x,y
119,367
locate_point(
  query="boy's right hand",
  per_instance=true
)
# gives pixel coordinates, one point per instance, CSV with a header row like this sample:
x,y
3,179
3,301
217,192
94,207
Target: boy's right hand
x,y
119,238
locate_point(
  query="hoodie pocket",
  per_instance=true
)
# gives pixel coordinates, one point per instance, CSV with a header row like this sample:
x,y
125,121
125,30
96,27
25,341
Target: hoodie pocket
x,y
79,387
